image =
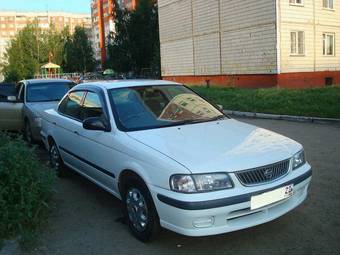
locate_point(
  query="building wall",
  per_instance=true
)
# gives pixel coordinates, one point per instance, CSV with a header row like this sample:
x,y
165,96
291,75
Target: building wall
x,y
108,25
100,37
314,20
217,37
247,43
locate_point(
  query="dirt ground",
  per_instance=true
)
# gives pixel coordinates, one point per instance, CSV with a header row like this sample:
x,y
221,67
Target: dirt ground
x,y
87,220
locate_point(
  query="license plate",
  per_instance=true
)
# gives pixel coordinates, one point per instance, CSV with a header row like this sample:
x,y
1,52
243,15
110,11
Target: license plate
x,y
270,197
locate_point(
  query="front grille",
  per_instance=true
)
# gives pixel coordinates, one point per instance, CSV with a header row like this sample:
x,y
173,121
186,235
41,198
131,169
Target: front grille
x,y
263,174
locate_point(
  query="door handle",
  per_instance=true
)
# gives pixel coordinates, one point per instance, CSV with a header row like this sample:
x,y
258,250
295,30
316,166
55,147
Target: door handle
x,y
76,132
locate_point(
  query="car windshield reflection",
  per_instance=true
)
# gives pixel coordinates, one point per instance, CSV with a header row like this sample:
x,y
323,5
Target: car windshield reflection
x,y
149,107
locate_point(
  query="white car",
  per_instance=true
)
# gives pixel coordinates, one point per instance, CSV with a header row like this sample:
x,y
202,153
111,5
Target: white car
x,y
174,159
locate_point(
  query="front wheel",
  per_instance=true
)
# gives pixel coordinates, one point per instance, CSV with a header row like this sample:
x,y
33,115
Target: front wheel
x,y
56,160
140,210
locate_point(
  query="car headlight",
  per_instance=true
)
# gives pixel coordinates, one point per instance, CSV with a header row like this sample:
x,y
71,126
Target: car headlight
x,y
298,159
38,122
200,182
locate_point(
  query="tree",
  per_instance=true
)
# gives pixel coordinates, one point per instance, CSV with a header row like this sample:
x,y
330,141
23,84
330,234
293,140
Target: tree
x,y
78,52
31,48
119,53
23,54
53,47
135,45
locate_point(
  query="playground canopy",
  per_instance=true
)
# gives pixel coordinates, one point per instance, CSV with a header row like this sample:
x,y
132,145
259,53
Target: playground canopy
x,y
50,69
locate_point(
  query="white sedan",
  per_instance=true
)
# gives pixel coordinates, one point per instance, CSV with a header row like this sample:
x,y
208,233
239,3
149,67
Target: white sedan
x,y
174,159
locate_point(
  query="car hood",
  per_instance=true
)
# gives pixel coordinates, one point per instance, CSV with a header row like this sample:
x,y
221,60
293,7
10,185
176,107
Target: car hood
x,y
39,107
227,145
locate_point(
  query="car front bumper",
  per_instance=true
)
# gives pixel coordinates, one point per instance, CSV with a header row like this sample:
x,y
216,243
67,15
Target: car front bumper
x,y
200,217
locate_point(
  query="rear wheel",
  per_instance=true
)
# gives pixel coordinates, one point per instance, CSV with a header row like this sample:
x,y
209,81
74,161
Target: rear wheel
x,y
56,160
140,210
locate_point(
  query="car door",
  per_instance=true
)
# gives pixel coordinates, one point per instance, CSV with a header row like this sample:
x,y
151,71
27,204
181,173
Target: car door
x,y
68,125
92,145
11,112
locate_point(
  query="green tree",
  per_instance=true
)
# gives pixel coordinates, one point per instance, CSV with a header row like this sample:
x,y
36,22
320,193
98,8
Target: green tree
x,y
79,56
31,48
53,46
135,45
23,54
119,53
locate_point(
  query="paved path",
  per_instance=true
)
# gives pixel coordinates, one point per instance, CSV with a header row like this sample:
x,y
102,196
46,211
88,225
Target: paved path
x,y
87,219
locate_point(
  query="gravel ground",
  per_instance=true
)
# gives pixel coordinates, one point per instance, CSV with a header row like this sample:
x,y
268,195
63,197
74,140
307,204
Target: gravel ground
x,y
87,220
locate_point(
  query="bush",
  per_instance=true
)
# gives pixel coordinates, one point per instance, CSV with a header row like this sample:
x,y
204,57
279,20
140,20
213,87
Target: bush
x,y
25,189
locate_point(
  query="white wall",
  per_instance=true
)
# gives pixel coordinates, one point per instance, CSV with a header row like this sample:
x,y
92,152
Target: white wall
x,y
200,37
314,20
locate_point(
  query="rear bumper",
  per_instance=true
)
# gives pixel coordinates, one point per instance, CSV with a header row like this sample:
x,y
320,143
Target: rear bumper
x,y
210,217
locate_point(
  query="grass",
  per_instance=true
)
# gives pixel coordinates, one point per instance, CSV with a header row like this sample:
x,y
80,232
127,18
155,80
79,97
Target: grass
x,y
317,102
26,187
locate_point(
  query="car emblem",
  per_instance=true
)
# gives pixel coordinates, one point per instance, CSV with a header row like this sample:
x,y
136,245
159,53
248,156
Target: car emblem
x,y
268,173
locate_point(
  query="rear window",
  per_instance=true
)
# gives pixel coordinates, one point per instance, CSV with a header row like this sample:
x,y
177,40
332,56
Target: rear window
x,y
49,91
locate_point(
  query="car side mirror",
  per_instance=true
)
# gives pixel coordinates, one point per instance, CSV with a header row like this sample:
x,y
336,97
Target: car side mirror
x,y
220,107
12,99
96,123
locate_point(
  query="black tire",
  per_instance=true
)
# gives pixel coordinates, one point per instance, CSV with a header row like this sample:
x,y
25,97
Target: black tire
x,y
28,136
56,161
143,233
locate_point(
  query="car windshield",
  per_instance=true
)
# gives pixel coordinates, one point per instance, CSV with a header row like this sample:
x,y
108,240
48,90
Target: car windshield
x,y
47,91
147,107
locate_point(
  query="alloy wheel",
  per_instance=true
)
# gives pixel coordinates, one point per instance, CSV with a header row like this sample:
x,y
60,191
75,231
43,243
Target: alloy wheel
x,y
55,157
137,209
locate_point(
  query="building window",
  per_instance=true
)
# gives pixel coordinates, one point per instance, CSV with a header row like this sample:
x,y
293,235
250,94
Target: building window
x,y
297,43
328,44
328,4
296,2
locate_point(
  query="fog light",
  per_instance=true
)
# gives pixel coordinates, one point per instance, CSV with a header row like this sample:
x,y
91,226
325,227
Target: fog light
x,y
204,222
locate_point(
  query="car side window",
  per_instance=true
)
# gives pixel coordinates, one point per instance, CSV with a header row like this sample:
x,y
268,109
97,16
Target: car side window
x,y
71,105
92,106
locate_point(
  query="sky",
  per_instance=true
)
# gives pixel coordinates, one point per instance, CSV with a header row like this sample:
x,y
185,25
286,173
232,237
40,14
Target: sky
x,y
78,6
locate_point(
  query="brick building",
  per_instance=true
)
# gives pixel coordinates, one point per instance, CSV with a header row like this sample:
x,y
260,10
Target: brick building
x,y
102,12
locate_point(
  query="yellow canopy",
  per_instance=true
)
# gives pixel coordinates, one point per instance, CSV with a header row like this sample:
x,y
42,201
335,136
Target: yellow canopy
x,y
50,65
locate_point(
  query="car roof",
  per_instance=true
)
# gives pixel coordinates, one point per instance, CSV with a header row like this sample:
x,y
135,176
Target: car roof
x,y
36,81
129,83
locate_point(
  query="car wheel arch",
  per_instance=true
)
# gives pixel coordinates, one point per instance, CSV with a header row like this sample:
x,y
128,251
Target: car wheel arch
x,y
124,176
50,139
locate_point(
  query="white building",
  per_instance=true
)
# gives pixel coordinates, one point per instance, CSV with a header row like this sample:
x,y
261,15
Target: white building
x,y
286,43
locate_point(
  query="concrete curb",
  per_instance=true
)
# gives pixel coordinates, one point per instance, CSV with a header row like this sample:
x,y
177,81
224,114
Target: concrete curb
x,y
281,117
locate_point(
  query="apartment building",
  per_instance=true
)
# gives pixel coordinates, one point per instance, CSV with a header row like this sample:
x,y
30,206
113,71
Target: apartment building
x,y
284,43
11,22
103,23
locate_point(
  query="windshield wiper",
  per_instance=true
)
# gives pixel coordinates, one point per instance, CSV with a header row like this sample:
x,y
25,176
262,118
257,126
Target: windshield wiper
x,y
193,121
219,117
